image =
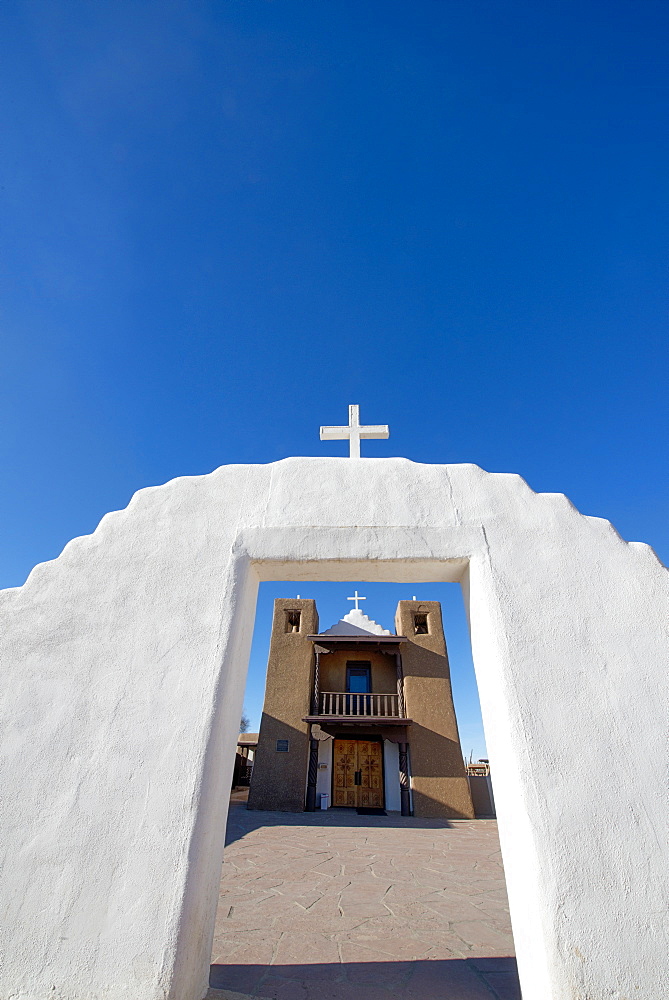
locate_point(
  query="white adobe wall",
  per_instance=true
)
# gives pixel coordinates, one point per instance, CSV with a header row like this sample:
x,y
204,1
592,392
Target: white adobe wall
x,y
124,663
391,771
324,777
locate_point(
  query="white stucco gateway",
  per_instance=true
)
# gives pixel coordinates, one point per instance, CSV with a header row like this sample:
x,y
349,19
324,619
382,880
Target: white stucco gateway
x,y
124,663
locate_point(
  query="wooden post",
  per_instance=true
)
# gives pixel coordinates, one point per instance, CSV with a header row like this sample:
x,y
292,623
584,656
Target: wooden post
x,y
316,696
405,798
400,686
313,775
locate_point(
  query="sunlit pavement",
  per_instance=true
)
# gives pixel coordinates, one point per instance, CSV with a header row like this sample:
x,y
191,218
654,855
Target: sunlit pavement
x,y
331,905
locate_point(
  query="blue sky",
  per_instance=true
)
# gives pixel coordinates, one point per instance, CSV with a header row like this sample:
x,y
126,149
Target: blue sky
x,y
223,222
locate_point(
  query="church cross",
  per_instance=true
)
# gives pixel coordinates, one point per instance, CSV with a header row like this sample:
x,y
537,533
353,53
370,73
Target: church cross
x,y
356,599
354,432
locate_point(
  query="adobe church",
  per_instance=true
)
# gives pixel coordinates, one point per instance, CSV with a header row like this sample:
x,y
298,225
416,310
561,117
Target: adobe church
x,y
359,714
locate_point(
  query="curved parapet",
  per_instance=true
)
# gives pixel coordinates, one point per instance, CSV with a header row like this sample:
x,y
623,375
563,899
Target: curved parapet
x,y
124,663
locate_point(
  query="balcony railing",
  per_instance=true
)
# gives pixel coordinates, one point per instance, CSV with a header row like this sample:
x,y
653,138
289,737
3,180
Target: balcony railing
x,y
344,704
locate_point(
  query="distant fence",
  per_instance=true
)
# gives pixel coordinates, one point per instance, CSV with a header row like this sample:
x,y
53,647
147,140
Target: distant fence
x,y
241,775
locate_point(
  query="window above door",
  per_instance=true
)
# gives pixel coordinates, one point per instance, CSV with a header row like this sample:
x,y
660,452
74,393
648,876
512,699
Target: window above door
x,y
358,677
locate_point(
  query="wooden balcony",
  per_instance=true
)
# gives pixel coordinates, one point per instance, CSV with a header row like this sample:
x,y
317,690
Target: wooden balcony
x,y
340,704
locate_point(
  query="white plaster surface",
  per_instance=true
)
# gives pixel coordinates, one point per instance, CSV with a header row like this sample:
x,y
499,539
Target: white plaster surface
x,y
324,776
124,664
391,773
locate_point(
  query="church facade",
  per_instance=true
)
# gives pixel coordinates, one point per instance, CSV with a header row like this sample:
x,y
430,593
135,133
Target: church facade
x,y
359,714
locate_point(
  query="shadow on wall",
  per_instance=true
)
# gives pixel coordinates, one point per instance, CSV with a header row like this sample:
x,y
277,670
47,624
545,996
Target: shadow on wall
x,y
440,761
470,978
279,777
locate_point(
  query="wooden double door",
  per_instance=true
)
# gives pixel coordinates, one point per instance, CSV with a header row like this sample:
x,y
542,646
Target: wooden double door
x,y
357,773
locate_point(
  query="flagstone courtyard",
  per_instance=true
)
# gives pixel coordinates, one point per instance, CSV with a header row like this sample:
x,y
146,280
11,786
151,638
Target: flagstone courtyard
x,y
331,905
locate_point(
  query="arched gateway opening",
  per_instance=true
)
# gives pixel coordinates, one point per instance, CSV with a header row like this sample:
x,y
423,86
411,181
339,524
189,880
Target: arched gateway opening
x,y
127,658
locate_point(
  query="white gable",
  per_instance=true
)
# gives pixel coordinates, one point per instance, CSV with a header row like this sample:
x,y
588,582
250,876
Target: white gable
x,y
123,667
355,623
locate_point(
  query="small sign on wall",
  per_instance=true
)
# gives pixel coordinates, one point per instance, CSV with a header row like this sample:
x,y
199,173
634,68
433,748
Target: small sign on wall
x,y
282,746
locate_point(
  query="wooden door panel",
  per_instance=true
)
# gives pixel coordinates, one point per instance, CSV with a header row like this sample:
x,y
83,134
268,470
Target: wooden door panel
x,y
364,757
344,791
370,791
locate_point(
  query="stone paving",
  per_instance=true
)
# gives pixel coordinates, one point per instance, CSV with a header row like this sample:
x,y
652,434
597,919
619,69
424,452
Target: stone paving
x,y
332,905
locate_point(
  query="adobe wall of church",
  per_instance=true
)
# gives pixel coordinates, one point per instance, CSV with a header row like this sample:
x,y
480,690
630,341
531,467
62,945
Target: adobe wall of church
x,y
278,779
438,776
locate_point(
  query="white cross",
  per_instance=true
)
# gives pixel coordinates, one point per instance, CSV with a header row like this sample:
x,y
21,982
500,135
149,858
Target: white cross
x,y
354,432
356,599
